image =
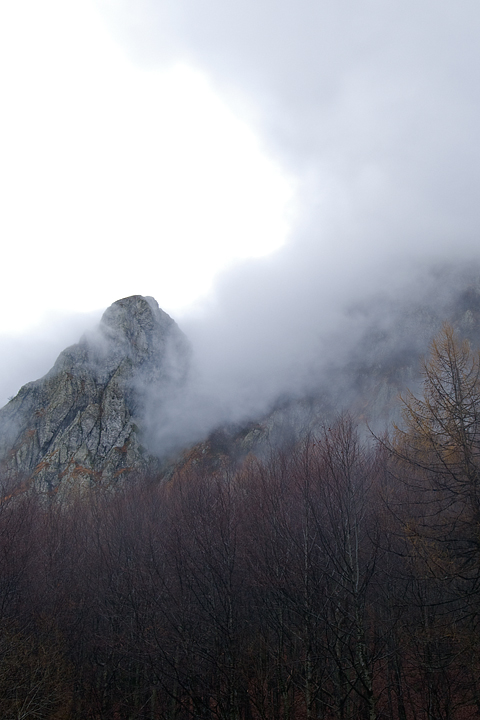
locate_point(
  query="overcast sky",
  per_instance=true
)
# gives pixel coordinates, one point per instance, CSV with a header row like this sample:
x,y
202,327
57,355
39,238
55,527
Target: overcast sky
x,y
257,166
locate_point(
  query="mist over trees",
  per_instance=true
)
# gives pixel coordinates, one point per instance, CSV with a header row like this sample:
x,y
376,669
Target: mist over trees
x,y
335,579
335,574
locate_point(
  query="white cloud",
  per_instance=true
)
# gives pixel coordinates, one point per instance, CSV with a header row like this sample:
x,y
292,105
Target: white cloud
x,y
118,179
168,155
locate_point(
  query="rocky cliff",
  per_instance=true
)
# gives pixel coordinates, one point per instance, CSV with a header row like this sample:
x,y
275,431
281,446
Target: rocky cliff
x,y
95,417
82,423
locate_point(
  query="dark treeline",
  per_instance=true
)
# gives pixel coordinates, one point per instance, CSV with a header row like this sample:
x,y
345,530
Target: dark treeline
x,y
336,580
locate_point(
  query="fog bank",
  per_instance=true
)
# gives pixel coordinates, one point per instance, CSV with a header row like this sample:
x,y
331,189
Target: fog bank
x,y
374,109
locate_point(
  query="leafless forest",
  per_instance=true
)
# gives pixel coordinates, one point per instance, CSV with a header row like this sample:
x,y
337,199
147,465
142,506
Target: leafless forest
x,y
336,580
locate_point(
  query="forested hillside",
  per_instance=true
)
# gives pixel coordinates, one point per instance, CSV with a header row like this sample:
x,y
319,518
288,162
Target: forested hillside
x,y
335,580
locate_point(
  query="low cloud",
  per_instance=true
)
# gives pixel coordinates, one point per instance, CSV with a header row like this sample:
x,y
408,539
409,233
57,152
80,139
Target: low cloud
x,y
374,109
27,357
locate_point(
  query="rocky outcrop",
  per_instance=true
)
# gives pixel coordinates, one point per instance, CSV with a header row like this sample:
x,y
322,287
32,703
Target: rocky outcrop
x,y
82,423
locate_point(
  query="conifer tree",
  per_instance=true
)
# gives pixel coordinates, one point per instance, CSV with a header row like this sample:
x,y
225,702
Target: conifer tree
x,y
441,433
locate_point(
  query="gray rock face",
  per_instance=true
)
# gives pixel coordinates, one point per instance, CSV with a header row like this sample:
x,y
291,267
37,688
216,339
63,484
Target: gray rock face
x,y
81,424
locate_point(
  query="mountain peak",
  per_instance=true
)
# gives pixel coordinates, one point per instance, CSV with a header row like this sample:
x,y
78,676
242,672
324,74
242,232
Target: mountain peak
x,y
82,423
135,322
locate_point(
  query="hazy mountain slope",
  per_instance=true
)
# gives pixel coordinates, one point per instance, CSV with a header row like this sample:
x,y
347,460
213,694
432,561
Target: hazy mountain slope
x,y
366,381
